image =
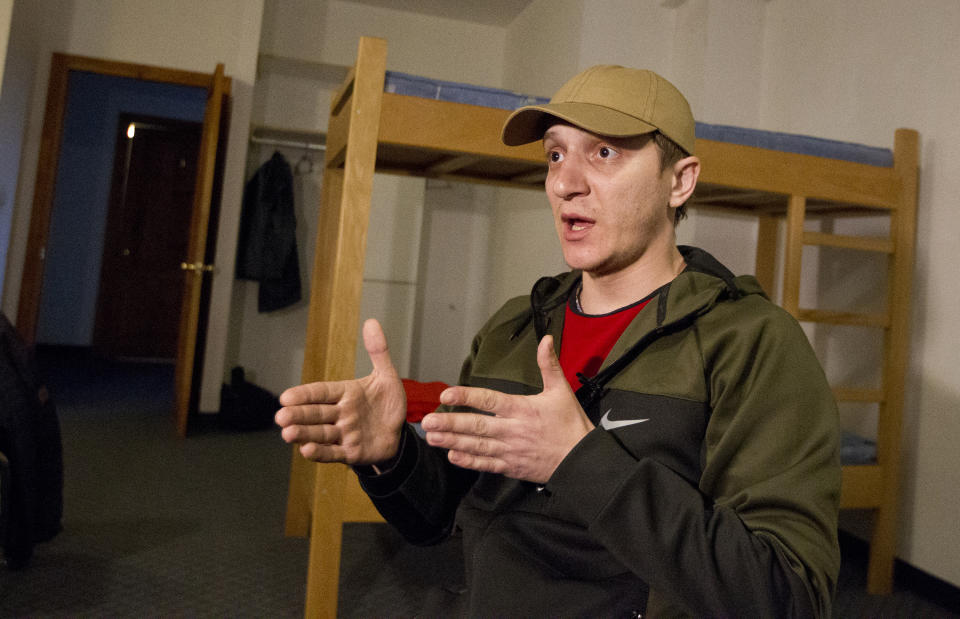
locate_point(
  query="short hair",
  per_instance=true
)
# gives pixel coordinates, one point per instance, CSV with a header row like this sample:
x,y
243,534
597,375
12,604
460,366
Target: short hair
x,y
670,153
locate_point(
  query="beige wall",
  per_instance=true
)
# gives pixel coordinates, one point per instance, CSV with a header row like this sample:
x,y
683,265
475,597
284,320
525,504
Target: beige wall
x,y
6,12
326,31
32,26
12,110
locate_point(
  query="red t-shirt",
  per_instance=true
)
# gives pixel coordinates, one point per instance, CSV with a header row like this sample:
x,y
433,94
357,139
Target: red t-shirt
x,y
587,339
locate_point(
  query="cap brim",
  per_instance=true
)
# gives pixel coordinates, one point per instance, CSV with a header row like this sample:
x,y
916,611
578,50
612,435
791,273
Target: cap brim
x,y
528,123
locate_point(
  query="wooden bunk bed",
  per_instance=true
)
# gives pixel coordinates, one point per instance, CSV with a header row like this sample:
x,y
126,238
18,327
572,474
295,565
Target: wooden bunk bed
x,y
370,129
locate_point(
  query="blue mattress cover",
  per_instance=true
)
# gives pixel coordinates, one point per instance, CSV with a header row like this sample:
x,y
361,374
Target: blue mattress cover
x,y
855,449
416,86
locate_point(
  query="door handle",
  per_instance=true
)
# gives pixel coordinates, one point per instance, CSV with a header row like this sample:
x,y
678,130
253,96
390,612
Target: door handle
x,y
196,266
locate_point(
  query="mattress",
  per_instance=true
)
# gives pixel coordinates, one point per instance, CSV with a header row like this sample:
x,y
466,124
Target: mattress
x,y
855,449
417,86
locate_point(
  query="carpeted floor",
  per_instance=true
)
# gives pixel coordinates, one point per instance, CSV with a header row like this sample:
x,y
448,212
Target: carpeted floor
x,y
155,525
159,526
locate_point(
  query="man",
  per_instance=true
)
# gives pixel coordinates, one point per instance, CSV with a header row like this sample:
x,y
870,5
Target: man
x,y
682,454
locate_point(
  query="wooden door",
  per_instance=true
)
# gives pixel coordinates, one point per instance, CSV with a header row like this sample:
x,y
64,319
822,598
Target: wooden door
x,y
147,232
194,265
218,88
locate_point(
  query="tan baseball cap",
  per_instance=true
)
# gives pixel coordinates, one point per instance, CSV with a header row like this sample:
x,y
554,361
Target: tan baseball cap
x,y
609,100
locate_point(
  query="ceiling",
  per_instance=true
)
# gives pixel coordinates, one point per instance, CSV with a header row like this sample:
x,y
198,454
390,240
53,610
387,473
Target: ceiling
x,y
489,12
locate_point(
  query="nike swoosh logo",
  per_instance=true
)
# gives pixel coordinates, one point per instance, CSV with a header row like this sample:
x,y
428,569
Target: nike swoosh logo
x,y
608,424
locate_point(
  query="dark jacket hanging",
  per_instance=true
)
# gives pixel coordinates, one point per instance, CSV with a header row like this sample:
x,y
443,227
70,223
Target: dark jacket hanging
x,y
267,246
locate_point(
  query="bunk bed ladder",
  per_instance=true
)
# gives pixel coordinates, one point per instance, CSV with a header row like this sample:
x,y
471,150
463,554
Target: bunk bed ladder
x,y
870,486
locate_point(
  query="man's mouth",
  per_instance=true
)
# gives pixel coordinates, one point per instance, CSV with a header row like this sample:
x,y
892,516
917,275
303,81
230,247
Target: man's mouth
x,y
577,224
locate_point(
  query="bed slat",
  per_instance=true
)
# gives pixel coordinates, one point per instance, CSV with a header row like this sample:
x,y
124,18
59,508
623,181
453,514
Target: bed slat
x,y
877,244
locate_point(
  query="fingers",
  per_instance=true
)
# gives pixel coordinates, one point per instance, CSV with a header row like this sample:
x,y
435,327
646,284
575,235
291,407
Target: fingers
x,y
550,370
459,423
376,344
466,438
486,400
305,414
304,434
313,393
323,452
491,401
467,443
477,463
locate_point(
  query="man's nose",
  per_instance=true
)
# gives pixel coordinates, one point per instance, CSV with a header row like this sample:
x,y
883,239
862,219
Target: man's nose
x,y
567,180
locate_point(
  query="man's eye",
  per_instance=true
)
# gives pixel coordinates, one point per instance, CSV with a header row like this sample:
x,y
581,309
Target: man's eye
x,y
604,152
554,156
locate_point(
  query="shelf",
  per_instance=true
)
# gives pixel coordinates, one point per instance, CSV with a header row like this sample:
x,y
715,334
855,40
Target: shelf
x,y
281,136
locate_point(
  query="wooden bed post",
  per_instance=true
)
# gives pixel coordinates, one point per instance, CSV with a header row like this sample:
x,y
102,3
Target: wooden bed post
x,y
796,213
903,228
765,267
316,494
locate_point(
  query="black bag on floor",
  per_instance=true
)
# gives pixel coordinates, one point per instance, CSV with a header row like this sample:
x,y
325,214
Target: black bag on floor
x,y
245,406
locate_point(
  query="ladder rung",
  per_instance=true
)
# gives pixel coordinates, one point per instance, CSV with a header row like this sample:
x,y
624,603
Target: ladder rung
x,y
863,243
843,318
854,394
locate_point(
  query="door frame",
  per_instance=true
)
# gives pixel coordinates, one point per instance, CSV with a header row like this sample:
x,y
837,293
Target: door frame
x,y
31,283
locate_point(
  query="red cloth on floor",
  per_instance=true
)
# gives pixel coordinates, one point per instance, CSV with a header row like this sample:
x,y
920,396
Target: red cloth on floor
x,y
422,398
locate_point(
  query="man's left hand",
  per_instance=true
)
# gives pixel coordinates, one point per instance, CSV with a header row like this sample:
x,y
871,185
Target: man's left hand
x,y
525,438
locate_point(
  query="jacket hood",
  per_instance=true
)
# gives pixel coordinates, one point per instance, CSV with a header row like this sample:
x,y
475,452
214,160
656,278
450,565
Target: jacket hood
x,y
702,284
704,281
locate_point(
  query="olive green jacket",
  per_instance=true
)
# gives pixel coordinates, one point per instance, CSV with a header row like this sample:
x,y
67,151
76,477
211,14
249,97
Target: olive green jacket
x,y
710,485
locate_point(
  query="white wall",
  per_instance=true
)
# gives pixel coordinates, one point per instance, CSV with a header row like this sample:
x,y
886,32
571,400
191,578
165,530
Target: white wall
x,y
17,49
327,31
542,46
33,27
454,277
6,14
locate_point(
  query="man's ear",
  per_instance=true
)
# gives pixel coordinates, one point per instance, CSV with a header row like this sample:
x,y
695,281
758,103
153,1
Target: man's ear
x,y
685,175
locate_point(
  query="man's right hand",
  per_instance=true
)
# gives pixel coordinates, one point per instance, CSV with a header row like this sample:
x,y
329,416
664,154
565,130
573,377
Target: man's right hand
x,y
357,422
